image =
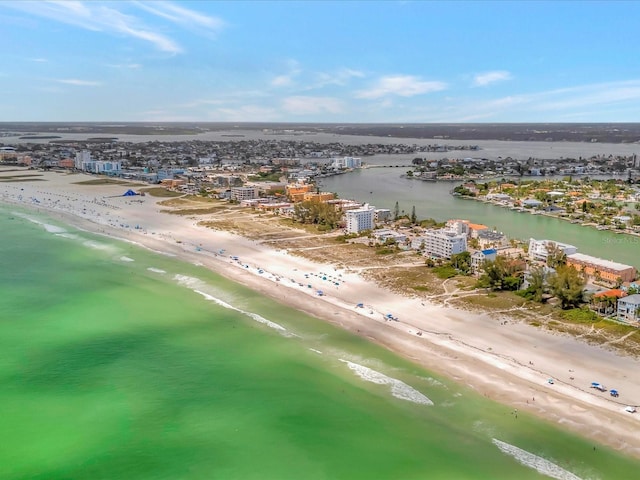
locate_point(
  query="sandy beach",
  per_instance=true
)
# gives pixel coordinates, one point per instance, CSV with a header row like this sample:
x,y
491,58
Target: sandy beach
x,y
509,362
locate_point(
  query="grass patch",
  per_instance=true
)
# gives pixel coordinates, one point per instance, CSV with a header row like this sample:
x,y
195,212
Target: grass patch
x,y
195,211
385,251
17,180
160,192
445,272
421,288
497,301
105,181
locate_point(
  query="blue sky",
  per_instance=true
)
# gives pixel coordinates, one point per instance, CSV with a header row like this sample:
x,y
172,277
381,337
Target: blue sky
x,y
355,61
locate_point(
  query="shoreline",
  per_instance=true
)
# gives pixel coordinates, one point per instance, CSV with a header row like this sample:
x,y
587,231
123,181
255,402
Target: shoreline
x,y
507,363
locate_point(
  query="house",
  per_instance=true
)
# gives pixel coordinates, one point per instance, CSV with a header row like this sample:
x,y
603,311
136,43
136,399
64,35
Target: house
x,y
478,258
531,203
492,239
629,309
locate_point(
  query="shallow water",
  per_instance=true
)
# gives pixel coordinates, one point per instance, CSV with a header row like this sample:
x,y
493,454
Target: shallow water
x,y
121,363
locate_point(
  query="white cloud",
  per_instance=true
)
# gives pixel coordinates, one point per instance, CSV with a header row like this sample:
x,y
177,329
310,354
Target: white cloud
x,y
282,81
132,66
304,105
79,83
287,79
487,78
97,17
340,78
401,85
181,15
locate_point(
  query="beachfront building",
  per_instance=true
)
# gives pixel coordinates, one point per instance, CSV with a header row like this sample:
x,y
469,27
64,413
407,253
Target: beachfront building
x,y
538,249
629,309
321,197
359,219
601,270
474,229
99,166
385,235
381,215
478,258
296,191
244,193
441,243
459,227
83,156
492,239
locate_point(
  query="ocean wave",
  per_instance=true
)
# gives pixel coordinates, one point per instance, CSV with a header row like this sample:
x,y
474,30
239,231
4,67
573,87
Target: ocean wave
x,y
47,226
156,270
399,389
126,259
197,285
528,459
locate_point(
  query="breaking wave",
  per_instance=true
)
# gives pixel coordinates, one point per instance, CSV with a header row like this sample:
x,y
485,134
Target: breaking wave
x,y
126,259
156,270
399,389
528,459
196,285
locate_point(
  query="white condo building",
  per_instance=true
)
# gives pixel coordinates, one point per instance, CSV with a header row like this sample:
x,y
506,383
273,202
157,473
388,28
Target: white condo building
x,y
83,156
359,219
538,249
347,162
441,243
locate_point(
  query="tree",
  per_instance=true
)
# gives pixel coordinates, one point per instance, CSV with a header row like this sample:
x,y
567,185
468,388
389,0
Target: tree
x,y
414,219
500,274
462,261
567,285
396,211
555,255
536,280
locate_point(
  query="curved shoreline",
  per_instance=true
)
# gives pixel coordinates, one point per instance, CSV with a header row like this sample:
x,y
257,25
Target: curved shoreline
x,y
507,363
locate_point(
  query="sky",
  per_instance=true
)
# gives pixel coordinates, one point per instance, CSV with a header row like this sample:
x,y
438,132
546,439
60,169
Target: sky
x,y
320,61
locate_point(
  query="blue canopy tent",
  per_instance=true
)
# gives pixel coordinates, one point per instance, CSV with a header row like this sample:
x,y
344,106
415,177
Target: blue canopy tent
x,y
129,193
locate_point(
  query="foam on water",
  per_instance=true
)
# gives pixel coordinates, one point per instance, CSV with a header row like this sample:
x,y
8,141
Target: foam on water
x,y
197,285
126,259
528,459
399,389
48,227
156,270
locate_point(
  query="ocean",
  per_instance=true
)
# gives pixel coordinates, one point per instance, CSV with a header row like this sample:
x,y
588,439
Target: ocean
x,y
121,363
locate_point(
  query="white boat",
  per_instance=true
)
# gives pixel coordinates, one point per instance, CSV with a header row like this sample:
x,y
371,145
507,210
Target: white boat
x,y
630,409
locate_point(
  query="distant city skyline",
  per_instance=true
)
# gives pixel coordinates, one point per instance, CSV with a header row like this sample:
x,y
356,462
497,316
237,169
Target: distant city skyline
x,y
381,61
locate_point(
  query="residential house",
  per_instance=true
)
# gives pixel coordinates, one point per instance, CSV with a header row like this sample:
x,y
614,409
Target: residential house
x,y
629,309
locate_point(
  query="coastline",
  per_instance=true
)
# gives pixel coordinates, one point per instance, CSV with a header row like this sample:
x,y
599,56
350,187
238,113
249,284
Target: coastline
x,y
473,349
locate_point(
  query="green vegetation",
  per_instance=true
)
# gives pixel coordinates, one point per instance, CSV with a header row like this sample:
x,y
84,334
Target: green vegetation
x,y
567,285
501,274
316,213
445,271
106,181
160,192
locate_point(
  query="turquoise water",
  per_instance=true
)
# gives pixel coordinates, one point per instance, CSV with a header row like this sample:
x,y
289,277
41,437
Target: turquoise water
x,y
383,187
110,370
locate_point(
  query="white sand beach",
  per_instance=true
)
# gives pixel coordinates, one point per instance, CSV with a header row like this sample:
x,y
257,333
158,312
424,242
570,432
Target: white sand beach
x,y
507,362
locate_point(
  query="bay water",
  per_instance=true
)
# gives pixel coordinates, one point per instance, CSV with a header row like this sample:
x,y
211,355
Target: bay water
x,y
121,363
383,187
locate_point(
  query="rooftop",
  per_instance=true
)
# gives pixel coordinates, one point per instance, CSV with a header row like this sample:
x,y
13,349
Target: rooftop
x,y
581,257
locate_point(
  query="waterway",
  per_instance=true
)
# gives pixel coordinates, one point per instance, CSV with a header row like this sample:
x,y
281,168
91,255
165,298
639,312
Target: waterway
x,y
383,187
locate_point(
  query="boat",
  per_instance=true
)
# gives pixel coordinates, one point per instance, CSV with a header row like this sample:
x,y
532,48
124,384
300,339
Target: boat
x,y
630,409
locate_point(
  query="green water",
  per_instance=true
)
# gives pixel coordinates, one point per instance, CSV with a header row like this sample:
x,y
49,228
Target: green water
x,y
383,187
109,370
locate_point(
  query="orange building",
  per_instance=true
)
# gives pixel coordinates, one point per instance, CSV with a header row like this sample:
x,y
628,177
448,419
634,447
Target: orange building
x,y
66,163
597,268
318,197
296,191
